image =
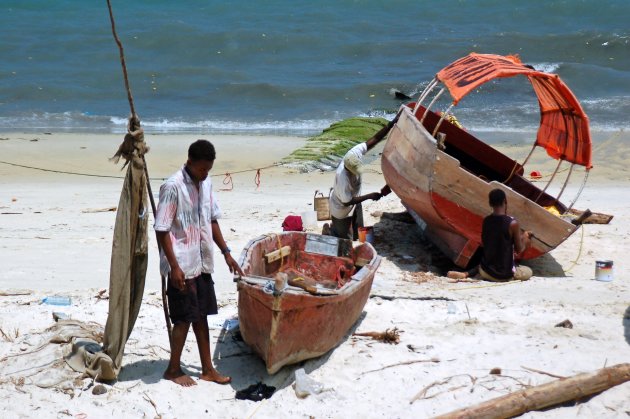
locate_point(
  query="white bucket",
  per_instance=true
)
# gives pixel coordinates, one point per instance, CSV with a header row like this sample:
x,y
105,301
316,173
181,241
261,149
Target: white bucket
x,y
604,270
309,220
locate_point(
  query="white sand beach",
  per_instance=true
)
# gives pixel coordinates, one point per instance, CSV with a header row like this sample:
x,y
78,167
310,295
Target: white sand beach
x,y
56,238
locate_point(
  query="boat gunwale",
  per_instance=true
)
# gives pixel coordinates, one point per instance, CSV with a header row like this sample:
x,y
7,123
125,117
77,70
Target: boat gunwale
x,y
350,287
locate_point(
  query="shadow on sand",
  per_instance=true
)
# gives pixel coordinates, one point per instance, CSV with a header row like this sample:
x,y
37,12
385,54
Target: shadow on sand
x,y
398,238
235,358
148,370
401,240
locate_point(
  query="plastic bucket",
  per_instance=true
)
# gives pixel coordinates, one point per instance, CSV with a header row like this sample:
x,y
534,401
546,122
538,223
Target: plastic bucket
x,y
604,270
309,220
366,234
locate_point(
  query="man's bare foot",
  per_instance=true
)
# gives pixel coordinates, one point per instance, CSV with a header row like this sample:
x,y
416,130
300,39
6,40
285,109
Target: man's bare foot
x,y
456,275
215,377
178,377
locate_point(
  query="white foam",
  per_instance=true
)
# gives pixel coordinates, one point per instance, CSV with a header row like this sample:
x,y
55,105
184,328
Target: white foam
x,y
547,67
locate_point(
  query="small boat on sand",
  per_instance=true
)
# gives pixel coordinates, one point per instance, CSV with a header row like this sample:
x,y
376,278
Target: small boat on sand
x,y
301,294
443,174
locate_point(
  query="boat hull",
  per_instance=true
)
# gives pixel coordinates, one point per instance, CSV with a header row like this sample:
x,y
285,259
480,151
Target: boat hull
x,y
295,325
450,201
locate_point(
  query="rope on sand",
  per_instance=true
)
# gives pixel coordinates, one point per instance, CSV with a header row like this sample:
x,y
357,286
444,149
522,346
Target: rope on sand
x,y
485,286
574,262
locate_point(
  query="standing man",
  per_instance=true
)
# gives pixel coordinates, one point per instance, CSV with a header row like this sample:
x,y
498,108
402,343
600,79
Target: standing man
x,y
186,226
502,241
345,200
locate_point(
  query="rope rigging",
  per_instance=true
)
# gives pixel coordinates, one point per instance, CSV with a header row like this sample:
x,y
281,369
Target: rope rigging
x,y
226,175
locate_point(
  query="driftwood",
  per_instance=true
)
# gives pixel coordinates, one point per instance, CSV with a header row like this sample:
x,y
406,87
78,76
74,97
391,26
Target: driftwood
x,y
93,210
546,395
593,218
405,297
11,293
388,336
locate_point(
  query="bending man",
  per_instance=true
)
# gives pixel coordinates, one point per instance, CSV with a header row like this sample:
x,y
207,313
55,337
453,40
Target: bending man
x,y
345,200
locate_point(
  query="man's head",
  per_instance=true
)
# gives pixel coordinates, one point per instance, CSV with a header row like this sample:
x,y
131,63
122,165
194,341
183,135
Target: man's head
x,y
201,157
496,198
353,164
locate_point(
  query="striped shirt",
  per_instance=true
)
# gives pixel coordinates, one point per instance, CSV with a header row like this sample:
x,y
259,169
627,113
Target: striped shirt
x,y
186,213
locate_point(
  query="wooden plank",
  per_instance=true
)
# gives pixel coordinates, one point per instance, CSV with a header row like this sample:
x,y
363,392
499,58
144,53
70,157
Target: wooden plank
x,y
277,254
457,185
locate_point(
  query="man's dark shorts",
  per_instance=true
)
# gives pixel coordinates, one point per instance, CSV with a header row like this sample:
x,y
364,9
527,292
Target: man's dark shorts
x,y
198,300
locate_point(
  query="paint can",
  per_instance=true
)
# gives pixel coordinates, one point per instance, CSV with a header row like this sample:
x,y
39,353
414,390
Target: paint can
x,y
366,234
604,270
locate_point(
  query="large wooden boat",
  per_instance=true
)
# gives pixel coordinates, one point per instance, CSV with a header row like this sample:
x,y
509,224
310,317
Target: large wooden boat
x,y
329,282
443,174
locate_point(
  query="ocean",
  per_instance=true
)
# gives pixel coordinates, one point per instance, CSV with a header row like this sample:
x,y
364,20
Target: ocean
x,y
293,67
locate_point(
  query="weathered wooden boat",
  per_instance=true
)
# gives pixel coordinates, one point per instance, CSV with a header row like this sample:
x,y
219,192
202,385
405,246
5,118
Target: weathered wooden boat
x,y
443,174
328,282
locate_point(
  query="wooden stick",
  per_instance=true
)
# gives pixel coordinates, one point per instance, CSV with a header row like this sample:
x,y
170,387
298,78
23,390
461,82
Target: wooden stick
x,y
122,59
545,395
542,372
134,124
402,363
150,400
13,293
422,394
278,254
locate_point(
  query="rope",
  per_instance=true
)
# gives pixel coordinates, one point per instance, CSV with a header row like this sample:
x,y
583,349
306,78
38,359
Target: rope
x,y
485,286
227,181
280,250
257,179
574,262
60,171
511,173
277,237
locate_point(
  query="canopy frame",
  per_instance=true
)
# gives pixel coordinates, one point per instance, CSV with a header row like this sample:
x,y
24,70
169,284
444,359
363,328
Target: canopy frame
x,y
564,127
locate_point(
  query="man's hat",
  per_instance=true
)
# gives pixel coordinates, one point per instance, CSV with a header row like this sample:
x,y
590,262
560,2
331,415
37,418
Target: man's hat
x,y
353,163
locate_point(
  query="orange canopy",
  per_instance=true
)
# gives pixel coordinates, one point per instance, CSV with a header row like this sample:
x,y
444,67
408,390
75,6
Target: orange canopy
x,y
564,128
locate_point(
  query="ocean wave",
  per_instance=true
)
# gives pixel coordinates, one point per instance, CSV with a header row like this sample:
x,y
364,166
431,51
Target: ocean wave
x,y
546,67
298,127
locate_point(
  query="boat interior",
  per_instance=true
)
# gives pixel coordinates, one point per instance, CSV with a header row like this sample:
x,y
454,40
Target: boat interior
x,y
484,161
311,260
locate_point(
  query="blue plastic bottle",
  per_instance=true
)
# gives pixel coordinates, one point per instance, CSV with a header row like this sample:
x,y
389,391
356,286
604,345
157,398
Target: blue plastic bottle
x,y
57,300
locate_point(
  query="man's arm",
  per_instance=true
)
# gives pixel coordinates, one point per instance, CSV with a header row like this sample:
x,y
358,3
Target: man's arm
x,y
376,138
358,199
217,236
177,275
520,239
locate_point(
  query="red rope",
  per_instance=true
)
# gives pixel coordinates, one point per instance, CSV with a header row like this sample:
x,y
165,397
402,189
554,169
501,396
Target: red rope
x,y
228,181
257,179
